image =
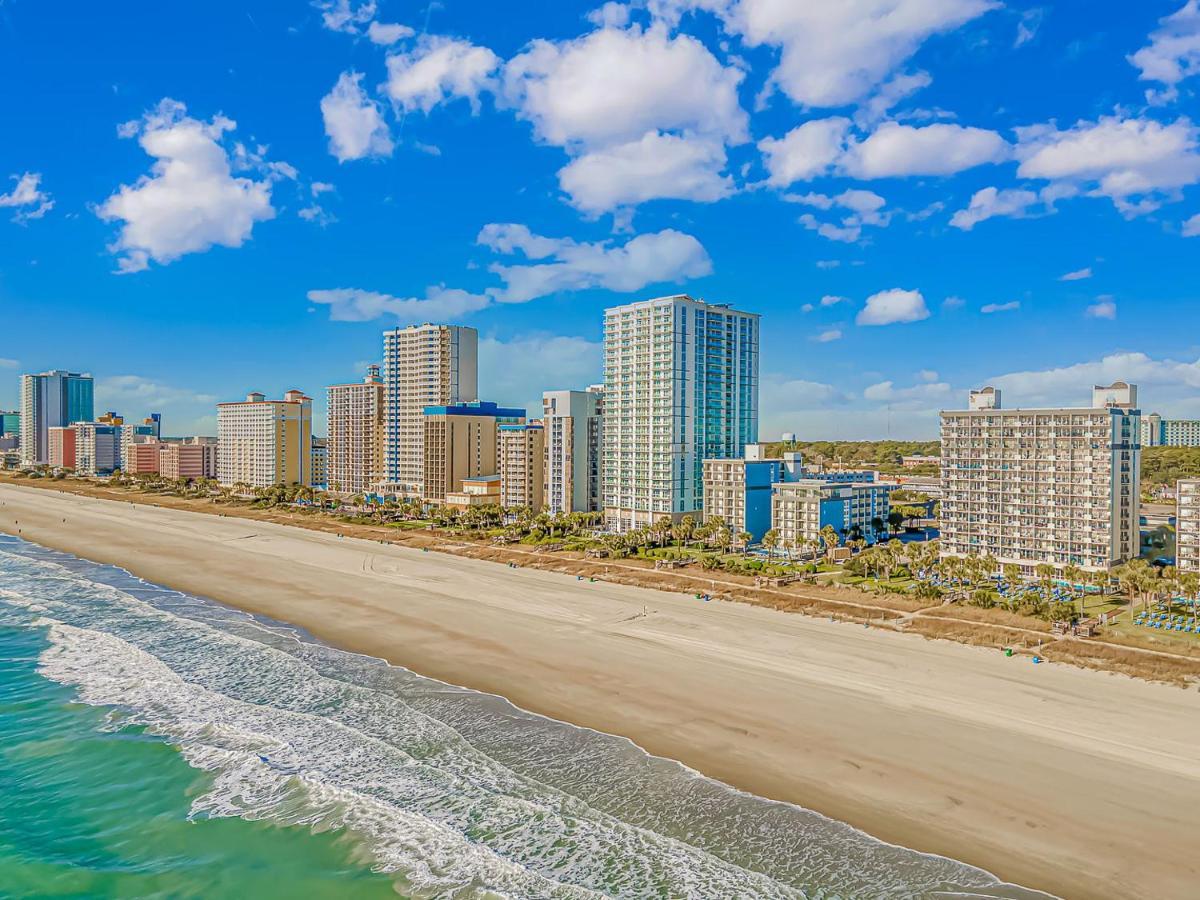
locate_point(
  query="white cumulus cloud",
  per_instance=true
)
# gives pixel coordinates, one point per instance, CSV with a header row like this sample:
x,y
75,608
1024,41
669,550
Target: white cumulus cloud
x,y
1191,228
353,121
27,198
1137,162
892,307
440,69
439,304
657,166
664,256
988,308
1104,308
191,199
1173,53
1017,203
388,33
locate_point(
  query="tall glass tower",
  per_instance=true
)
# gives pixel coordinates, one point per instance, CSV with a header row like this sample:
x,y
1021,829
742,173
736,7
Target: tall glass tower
x,y
49,400
680,386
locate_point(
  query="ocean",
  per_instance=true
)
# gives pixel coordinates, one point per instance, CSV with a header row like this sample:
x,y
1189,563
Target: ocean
x,y
158,744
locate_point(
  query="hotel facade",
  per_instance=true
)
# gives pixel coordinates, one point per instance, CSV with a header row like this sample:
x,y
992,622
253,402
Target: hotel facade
x,y
423,366
520,462
574,425
680,386
1187,525
355,434
800,510
51,400
460,443
1031,486
263,442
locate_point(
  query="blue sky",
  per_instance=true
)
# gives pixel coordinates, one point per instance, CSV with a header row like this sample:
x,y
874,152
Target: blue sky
x,y
919,196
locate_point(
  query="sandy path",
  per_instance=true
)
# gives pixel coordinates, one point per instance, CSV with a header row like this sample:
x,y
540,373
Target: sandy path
x,y
1077,782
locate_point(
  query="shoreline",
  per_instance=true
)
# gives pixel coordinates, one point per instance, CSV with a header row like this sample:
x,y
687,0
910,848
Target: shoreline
x,y
1046,776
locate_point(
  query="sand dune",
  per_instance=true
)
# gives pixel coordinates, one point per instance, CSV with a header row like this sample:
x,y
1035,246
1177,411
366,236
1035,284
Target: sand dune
x,y
1076,782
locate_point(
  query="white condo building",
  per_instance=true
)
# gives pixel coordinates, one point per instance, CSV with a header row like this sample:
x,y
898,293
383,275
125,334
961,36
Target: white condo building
x,y
680,386
1160,432
573,423
423,365
1034,486
355,429
263,442
1187,525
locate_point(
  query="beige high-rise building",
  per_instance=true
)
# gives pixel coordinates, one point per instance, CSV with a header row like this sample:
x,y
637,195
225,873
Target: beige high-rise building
x,y
680,386
574,432
1033,486
355,441
262,442
460,443
521,463
423,365
1187,525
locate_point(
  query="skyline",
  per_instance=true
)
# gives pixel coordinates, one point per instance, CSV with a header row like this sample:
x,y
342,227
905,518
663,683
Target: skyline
x,y
552,196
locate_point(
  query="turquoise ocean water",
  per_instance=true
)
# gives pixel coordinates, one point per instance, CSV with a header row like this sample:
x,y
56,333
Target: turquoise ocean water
x,y
157,744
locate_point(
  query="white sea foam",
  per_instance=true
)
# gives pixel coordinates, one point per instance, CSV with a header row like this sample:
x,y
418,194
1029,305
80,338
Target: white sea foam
x,y
457,792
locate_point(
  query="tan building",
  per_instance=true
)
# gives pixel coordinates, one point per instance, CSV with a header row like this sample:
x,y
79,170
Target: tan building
x,y
423,365
574,431
355,441
521,462
1187,525
1031,486
481,491
263,442
142,458
460,443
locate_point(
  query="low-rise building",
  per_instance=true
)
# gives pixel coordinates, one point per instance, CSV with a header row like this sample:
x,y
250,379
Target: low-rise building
x,y
1159,432
521,463
142,458
483,490
192,458
801,509
738,491
60,442
460,443
1187,525
916,460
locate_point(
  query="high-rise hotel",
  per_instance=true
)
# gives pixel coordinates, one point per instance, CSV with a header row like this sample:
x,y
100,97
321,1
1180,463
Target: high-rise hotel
x,y
573,422
263,442
355,441
680,386
51,400
423,365
1034,486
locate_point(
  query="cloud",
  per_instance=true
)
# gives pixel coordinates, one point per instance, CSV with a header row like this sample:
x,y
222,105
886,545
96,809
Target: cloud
x,y
1077,275
834,54
9,363
1016,203
892,307
614,86
833,300
895,151
439,304
833,334
806,152
346,16
520,369
895,89
828,263
610,15
927,375
1166,380
191,200
1010,306
1173,53
1135,162
1027,27
665,256
135,395
657,166
887,392
953,303
353,121
826,146
1191,228
440,69
865,208
387,34
27,198
1104,308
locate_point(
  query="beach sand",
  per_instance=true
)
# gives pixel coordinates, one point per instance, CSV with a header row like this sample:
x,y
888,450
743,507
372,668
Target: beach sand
x,y
1076,782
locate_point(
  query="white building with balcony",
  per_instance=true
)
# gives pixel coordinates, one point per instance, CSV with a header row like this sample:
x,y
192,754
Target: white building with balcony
x,y
1033,486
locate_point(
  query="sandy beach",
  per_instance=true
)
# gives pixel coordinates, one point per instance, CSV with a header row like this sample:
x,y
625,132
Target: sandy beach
x,y
1076,782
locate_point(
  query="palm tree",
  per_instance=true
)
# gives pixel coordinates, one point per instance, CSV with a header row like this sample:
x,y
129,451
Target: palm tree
x,y
830,538
771,541
1074,577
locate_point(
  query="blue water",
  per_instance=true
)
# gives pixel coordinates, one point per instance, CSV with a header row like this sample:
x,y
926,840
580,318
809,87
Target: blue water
x,y
153,743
